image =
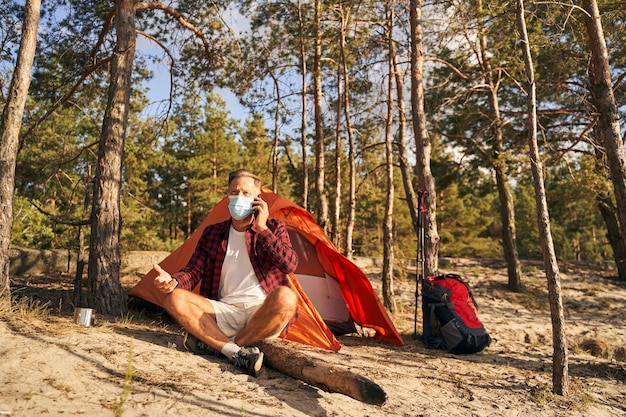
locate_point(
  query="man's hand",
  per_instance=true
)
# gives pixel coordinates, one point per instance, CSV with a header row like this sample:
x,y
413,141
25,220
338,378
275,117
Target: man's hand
x,y
262,213
163,280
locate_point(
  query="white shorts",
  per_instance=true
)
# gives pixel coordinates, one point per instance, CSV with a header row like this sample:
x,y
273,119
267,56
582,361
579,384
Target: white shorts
x,y
233,318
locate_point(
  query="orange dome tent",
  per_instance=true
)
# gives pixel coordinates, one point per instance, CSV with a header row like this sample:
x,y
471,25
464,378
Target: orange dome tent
x,y
333,291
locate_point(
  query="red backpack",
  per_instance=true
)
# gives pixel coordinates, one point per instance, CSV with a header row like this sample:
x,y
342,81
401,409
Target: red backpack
x,y
454,326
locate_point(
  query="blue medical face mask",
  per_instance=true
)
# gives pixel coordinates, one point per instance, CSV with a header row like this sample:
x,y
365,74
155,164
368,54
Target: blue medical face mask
x,y
239,206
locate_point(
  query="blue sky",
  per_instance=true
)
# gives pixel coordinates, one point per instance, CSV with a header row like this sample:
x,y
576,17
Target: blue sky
x,y
160,84
160,90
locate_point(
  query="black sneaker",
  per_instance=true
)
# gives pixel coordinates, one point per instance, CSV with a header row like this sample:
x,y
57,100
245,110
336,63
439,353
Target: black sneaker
x,y
249,360
197,346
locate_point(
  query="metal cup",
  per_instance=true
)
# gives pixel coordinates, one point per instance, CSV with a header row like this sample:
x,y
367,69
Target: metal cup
x,y
83,316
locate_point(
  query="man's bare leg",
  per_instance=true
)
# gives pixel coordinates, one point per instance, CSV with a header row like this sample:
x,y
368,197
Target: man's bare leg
x,y
195,313
277,309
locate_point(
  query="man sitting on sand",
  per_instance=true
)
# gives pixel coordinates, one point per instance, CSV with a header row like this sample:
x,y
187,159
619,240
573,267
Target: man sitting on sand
x,y
241,265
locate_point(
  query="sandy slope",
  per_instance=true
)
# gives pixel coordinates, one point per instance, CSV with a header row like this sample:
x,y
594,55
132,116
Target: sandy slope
x,y
50,366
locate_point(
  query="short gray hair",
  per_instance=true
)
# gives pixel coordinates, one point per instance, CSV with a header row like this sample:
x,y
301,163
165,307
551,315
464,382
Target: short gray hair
x,y
244,173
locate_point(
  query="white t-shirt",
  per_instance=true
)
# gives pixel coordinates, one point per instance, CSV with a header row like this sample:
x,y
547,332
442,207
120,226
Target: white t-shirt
x,y
238,282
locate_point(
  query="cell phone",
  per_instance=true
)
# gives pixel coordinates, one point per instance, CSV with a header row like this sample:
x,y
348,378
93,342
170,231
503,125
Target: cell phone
x,y
255,213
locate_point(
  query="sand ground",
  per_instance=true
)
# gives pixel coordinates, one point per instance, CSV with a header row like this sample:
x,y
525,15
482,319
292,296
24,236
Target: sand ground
x,y
136,366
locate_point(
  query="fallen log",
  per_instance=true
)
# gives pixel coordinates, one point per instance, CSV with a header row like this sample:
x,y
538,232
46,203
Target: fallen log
x,y
284,357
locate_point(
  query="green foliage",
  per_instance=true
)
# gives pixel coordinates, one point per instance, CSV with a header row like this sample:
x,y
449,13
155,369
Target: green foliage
x,y
368,229
526,221
370,211
256,149
31,228
175,170
468,223
10,25
190,173
140,231
578,225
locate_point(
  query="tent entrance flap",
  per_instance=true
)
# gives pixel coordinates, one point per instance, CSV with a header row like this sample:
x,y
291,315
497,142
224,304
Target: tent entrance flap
x,y
325,294
322,289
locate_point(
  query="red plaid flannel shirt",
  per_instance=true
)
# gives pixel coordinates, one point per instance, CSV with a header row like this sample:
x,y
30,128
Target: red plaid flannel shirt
x,y
271,255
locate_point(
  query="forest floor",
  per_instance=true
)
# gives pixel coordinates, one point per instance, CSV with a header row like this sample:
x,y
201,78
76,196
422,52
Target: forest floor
x,y
137,366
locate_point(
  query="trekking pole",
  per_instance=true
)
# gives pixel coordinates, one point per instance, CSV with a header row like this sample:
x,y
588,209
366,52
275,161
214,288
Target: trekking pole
x,y
419,272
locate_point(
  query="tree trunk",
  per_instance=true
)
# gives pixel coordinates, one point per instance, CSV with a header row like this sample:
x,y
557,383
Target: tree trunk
x,y
389,298
336,233
279,104
320,163
609,214
303,115
403,160
189,210
422,142
509,235
349,231
81,258
608,127
284,357
10,126
507,205
559,359
106,294
77,296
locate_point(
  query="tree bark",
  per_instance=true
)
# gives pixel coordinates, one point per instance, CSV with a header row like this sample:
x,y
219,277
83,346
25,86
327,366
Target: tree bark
x,y
276,141
336,233
403,160
507,204
609,214
77,296
559,343
106,294
303,114
422,141
283,357
509,235
320,159
10,126
608,127
81,258
388,252
349,231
